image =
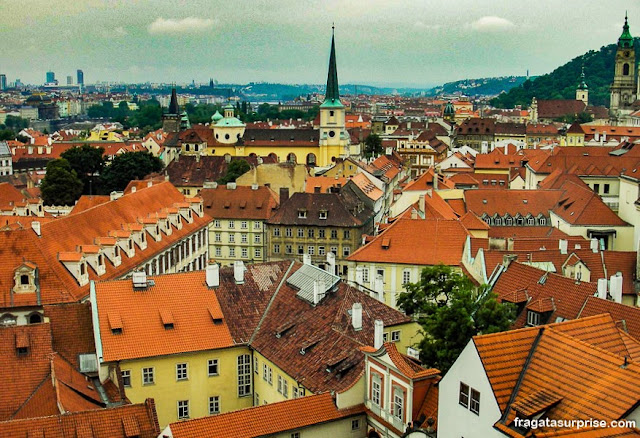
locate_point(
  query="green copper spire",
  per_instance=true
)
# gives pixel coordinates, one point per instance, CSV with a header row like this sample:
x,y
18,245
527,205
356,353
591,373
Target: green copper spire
x,y
626,40
583,84
332,94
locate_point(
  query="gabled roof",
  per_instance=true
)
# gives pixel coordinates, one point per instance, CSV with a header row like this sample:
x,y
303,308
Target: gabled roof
x,y
266,420
191,172
416,242
71,330
556,108
579,205
473,222
501,202
138,313
323,183
242,202
627,316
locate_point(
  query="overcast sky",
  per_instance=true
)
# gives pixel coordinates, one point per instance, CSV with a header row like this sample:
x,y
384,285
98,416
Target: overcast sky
x,y
420,42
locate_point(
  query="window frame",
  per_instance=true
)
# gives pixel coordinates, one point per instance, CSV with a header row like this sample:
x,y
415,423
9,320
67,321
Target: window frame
x,y
126,376
148,371
215,363
182,371
245,375
464,395
474,402
214,402
184,406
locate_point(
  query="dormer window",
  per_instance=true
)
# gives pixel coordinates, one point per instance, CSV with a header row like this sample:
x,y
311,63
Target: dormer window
x,y
35,318
24,280
533,318
116,251
83,269
323,214
302,214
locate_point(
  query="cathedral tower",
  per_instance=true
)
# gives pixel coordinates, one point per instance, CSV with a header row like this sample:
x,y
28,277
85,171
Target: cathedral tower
x,y
582,93
171,119
623,89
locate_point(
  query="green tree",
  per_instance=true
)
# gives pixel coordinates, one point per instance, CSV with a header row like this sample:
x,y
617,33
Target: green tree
x,y
60,185
16,123
88,162
126,167
7,134
451,311
235,169
372,146
150,113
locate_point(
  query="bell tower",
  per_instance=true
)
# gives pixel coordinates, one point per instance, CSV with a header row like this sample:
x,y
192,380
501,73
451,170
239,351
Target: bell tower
x,y
623,89
334,137
582,93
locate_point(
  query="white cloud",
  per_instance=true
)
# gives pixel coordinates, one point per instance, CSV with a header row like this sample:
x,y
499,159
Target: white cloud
x,y
491,23
180,26
421,25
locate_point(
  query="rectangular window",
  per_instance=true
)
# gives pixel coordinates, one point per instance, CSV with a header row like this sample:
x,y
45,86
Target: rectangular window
x,y
214,404
346,250
355,425
346,234
256,238
280,384
533,318
126,378
218,251
334,234
147,376
244,225
475,402
596,188
311,249
285,388
183,409
181,371
265,375
323,214
244,238
406,276
334,250
217,237
232,238
257,225
463,397
232,224
232,252
245,253
276,249
398,404
288,232
216,223
375,390
300,249
321,250
606,189
300,232
212,367
385,337
294,392
276,232
288,249
321,233
311,233
302,214
365,275
395,336
295,435
257,253
256,367
244,375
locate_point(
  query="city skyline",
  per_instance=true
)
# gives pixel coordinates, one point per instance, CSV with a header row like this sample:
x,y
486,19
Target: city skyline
x,y
423,44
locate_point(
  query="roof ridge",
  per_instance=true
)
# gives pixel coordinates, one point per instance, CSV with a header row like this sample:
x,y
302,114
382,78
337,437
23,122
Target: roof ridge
x,y
273,297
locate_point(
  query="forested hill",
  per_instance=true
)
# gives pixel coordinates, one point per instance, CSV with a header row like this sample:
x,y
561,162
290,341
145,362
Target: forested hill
x,y
562,82
479,87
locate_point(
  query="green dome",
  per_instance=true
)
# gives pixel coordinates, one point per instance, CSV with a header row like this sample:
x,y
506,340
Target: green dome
x,y
449,110
217,116
230,122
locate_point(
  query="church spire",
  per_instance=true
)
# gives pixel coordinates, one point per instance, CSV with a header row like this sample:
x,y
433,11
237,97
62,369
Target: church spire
x,y
173,105
625,40
583,83
332,93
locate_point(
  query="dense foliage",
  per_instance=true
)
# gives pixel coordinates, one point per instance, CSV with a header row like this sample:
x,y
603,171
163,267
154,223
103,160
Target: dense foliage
x,y
479,87
563,81
87,162
451,311
147,117
61,185
372,146
126,167
235,169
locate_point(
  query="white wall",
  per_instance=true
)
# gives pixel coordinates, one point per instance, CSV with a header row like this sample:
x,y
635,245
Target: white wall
x,y
454,420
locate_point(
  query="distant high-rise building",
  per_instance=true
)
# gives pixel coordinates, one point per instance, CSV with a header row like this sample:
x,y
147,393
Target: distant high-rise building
x,y
80,77
51,77
3,82
69,80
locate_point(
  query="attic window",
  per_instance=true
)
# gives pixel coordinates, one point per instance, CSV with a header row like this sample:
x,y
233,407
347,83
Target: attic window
x,y
115,322
167,319
308,346
334,363
283,329
302,214
386,242
323,214
243,204
533,318
22,351
216,315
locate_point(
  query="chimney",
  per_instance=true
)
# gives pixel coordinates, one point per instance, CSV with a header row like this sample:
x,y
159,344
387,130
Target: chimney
x,y
615,287
359,276
149,183
507,259
356,316
238,271
115,195
306,259
378,286
331,263
414,214
212,275
227,158
318,291
421,203
564,245
231,186
378,328
139,279
435,180
594,245
133,189
35,225
602,288
254,186
284,194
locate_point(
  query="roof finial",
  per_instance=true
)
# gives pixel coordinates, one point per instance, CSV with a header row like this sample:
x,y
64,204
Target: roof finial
x,y
333,28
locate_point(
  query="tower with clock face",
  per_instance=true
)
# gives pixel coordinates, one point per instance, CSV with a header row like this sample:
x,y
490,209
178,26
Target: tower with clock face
x,y
623,89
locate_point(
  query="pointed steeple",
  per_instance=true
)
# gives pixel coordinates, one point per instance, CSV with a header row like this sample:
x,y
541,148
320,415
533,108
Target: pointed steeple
x,y
332,93
583,84
173,105
626,40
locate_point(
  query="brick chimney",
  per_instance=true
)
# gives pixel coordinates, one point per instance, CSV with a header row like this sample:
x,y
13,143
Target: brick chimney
x,y
284,194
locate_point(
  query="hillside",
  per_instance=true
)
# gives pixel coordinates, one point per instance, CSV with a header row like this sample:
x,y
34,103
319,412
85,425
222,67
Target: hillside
x,y
479,87
562,82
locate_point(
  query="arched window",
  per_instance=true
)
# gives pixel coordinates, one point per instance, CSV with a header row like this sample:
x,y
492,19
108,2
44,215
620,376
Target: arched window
x,y
625,69
311,159
292,158
35,318
83,269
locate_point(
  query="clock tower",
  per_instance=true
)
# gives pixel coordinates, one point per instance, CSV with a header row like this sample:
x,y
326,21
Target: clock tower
x,y
623,89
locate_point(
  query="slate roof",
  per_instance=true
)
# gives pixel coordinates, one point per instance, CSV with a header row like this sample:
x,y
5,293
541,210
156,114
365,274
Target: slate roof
x,y
189,172
266,420
416,242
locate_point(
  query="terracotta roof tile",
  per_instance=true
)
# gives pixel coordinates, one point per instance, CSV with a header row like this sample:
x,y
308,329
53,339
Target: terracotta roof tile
x,y
267,419
628,315
240,203
71,330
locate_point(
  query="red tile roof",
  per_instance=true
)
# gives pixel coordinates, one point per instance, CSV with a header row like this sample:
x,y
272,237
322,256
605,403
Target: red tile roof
x,y
473,222
138,313
268,419
323,183
119,422
243,202
512,202
628,316
71,330
441,241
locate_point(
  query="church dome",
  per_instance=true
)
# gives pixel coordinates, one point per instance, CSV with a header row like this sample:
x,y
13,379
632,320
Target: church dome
x,y
216,117
449,110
